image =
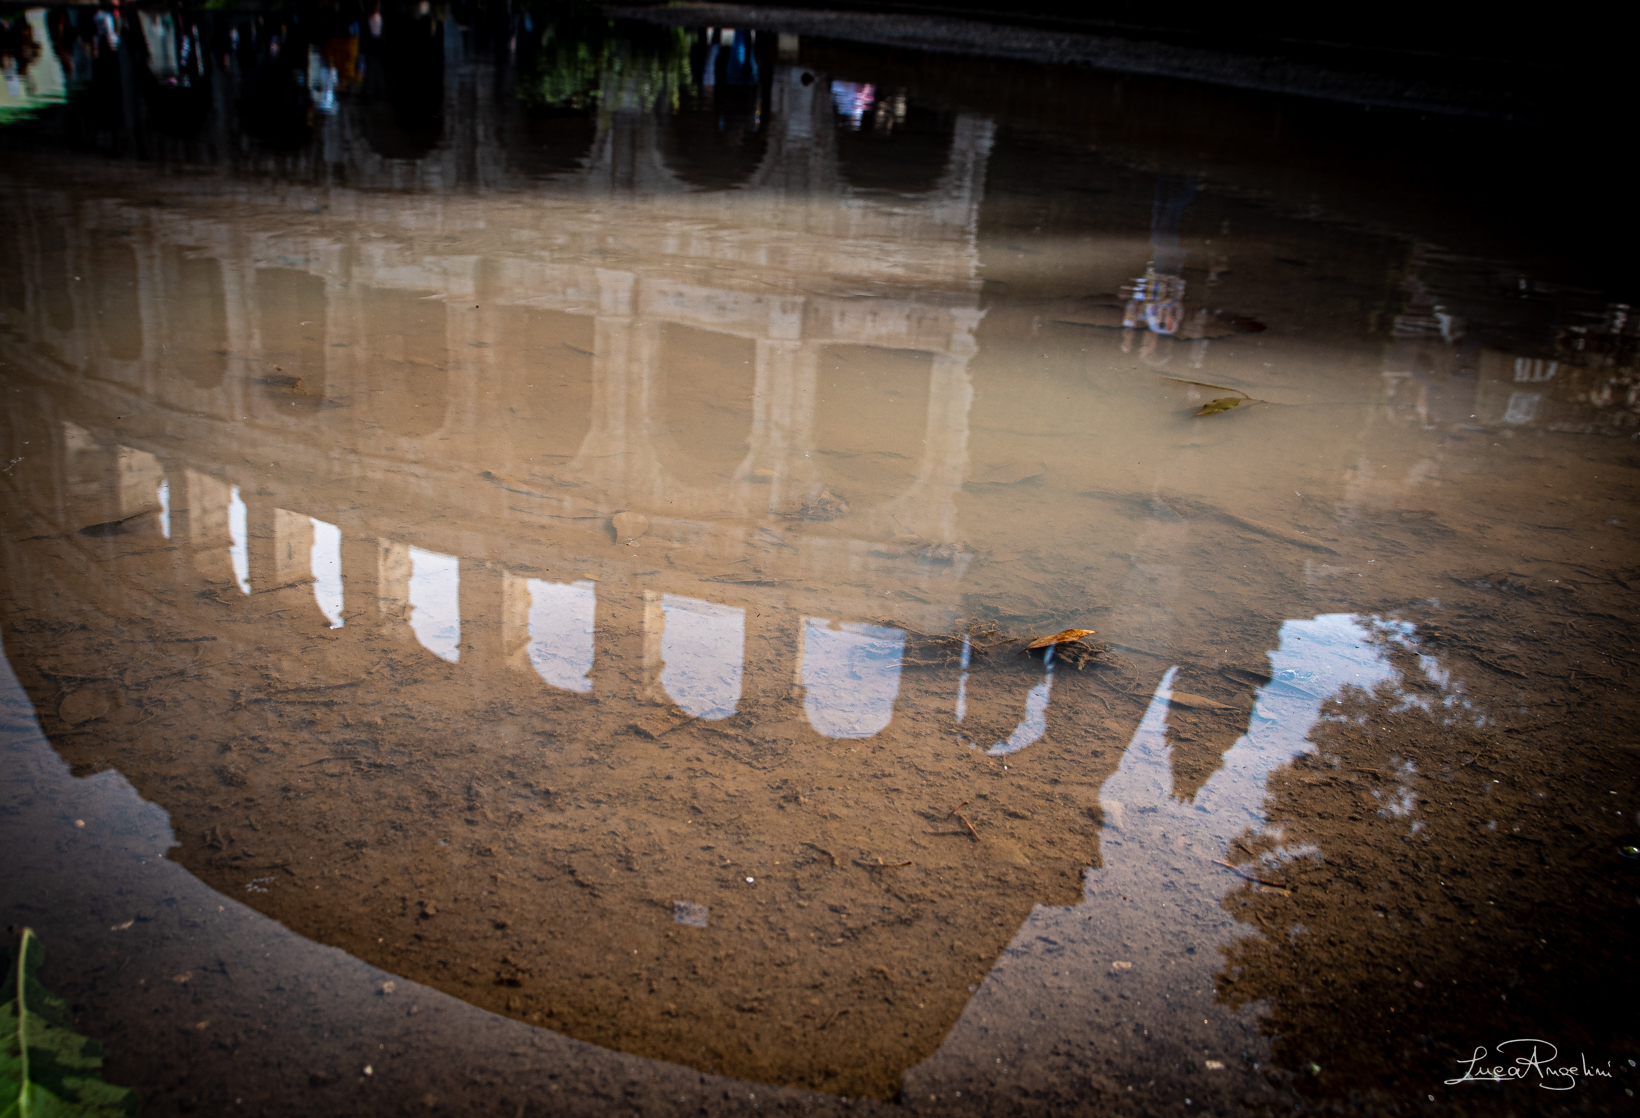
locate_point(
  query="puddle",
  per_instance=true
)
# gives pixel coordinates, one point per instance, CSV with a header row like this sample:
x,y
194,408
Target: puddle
x,y
574,552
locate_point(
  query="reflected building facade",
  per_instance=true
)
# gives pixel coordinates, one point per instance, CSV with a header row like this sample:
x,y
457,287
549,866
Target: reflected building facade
x,y
622,537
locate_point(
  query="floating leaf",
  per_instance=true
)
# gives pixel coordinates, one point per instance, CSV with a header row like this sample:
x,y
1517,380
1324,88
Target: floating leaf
x,y
1223,403
1064,637
46,1069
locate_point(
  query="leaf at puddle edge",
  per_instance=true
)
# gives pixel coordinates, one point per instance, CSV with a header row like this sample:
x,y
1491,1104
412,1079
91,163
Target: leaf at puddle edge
x,y
46,1069
1223,403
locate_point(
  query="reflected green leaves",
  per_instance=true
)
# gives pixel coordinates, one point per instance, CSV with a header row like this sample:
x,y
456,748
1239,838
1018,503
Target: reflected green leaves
x,y
582,62
46,1069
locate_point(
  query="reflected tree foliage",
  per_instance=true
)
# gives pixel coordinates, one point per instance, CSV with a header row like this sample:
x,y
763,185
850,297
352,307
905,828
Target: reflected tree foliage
x,y
1438,899
578,60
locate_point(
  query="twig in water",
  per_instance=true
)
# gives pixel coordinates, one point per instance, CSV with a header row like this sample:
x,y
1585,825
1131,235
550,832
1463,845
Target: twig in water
x,y
957,811
880,864
1250,877
833,1017
824,851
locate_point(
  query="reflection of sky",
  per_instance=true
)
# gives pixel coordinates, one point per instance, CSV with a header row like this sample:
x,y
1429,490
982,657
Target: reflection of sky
x,y
165,508
435,602
239,545
1155,901
1035,722
327,570
703,646
851,674
1314,660
561,622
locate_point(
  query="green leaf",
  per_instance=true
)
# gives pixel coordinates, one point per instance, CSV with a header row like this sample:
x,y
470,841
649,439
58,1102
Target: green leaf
x,y
47,1070
1223,403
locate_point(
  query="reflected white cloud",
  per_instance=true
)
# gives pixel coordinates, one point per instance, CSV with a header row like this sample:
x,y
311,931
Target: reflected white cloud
x,y
851,673
703,647
239,547
562,615
327,570
165,508
435,602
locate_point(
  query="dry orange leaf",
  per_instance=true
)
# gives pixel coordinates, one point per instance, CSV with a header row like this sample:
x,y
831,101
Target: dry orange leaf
x,y
1061,638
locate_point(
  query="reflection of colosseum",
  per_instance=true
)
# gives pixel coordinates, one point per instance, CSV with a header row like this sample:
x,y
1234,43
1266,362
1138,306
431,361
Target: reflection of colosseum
x,y
362,475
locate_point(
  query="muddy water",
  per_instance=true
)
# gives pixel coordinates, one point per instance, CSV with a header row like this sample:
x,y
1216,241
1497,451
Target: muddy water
x,y
601,593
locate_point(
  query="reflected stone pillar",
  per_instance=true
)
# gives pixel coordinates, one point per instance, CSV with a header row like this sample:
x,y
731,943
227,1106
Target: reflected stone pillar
x,y
292,547
515,622
393,569
603,455
783,409
261,541
362,591
961,188
929,508
359,571
772,677
138,475
802,158
483,613
199,516
375,588
619,665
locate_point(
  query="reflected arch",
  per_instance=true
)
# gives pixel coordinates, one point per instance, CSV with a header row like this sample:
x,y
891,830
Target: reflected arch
x,y
701,423
719,135
548,143
908,155
408,394
703,652
851,676
871,413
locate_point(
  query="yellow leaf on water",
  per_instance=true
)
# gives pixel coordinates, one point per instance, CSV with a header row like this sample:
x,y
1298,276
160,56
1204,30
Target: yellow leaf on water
x,y
1223,403
1064,637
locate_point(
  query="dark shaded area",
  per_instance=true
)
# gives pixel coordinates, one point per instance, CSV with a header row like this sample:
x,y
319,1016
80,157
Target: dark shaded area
x,y
1467,60
902,147
293,92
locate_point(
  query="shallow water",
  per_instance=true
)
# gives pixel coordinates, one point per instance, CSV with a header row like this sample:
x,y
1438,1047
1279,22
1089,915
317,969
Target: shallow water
x,y
582,563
